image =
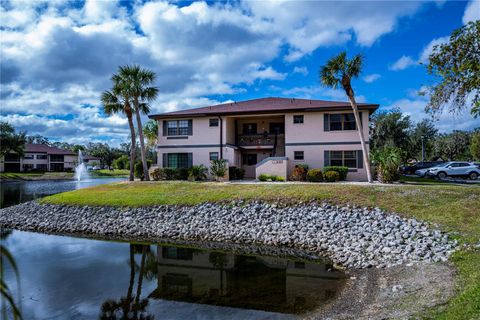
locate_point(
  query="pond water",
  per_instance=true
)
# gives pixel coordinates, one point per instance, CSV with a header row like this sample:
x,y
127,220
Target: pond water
x,y
63,277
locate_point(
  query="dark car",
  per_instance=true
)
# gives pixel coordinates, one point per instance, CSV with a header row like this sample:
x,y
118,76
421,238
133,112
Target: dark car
x,y
419,165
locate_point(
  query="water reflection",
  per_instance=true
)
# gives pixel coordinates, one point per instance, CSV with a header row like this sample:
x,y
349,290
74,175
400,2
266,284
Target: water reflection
x,y
73,278
15,192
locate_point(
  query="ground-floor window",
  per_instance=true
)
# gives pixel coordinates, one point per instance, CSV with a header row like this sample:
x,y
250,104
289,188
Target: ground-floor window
x,y
42,167
177,160
249,159
344,158
56,166
298,155
213,156
27,167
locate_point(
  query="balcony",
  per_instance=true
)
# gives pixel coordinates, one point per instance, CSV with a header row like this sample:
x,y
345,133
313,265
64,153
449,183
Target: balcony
x,y
255,140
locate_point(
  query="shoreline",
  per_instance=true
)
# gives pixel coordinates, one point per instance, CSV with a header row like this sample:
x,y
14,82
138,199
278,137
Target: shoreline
x,y
351,237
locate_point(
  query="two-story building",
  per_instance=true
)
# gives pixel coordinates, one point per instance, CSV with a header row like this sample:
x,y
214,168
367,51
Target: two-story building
x,y
267,135
39,157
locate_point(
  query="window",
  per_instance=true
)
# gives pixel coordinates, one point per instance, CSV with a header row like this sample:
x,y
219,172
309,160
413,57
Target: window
x,y
41,156
177,160
250,159
298,155
298,119
56,167
213,156
344,121
56,158
343,158
213,122
42,167
27,167
249,128
12,157
28,156
177,253
178,127
277,127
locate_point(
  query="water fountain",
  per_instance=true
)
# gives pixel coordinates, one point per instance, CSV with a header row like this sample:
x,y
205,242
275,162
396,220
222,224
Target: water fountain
x,y
81,171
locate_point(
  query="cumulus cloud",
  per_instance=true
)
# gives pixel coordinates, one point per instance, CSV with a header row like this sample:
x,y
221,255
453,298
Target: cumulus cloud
x,y
57,58
318,92
472,11
369,78
403,63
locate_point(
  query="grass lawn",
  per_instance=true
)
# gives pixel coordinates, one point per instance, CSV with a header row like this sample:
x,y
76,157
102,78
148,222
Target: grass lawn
x,y
453,207
109,173
35,175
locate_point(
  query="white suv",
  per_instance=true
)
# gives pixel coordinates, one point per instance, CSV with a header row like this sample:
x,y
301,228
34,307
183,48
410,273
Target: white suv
x,y
455,169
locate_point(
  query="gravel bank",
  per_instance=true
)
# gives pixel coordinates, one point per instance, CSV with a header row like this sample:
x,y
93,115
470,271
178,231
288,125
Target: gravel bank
x,y
351,237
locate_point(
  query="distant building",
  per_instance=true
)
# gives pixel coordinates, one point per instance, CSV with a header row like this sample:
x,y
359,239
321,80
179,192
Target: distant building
x,y
39,157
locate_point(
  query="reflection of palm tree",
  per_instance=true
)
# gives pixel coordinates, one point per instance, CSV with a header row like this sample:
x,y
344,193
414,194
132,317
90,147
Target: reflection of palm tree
x,y
129,307
5,292
219,260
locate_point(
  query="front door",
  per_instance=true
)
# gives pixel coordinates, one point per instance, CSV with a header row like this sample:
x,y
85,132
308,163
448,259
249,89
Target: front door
x,y
249,160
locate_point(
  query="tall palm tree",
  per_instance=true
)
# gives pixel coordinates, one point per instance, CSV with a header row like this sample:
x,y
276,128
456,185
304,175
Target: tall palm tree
x,y
116,101
338,71
139,82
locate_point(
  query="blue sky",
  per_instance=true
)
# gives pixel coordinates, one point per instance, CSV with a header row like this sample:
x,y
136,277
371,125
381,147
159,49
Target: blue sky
x,y
58,56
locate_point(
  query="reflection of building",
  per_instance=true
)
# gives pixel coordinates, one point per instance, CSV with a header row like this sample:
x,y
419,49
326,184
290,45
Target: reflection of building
x,y
251,282
39,157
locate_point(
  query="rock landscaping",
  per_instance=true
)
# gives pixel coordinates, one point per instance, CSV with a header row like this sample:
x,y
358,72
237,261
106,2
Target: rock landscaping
x,y
352,237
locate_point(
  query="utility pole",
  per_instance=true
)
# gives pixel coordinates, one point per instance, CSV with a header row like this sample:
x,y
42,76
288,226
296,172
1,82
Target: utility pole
x,y
423,149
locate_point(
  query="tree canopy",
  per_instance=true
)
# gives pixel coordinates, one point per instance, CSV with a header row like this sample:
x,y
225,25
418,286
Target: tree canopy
x,y
390,129
456,65
10,141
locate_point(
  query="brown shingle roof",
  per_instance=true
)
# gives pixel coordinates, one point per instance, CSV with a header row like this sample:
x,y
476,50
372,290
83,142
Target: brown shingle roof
x,y
265,105
42,148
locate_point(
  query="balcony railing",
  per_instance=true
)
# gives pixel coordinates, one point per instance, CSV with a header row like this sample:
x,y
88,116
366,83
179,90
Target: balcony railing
x,y
245,140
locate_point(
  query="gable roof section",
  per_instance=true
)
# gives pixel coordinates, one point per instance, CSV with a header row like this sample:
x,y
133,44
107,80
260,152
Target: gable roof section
x,y
42,148
266,105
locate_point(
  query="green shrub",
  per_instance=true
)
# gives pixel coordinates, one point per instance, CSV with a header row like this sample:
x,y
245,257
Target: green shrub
x,y
158,174
218,168
197,173
264,177
138,170
122,162
302,165
331,176
182,174
387,162
342,171
299,173
279,178
314,175
236,173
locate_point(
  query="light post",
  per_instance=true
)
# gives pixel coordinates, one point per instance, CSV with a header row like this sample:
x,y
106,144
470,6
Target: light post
x,y
423,149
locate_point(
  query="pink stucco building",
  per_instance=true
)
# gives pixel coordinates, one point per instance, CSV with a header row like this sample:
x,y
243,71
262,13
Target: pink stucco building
x,y
267,135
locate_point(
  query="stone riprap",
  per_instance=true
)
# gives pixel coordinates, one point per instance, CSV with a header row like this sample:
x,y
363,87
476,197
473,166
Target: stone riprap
x,y
350,236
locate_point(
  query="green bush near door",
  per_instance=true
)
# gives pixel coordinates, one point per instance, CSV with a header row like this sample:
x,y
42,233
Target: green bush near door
x,y
342,171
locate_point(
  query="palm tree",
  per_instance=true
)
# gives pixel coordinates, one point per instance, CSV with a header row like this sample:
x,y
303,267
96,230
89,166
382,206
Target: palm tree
x,y
139,81
339,71
116,101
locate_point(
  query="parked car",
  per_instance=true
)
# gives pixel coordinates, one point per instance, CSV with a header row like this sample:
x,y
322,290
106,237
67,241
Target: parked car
x,y
419,166
455,169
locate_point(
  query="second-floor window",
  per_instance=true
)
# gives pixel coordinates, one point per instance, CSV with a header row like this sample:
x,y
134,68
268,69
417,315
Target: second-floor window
x,y
56,158
178,127
28,156
41,156
298,119
249,128
340,121
213,122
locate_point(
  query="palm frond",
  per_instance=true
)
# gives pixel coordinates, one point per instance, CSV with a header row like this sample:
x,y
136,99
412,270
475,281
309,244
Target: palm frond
x,y
354,66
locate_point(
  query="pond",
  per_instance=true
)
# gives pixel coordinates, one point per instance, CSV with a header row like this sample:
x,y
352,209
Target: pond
x,y
62,277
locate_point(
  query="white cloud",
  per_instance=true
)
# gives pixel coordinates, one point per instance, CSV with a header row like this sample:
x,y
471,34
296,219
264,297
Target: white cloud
x,y
301,70
369,78
429,48
472,11
57,58
318,92
402,63
414,106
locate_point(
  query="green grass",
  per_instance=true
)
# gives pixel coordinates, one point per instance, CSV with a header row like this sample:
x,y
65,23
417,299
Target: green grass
x,y
419,180
35,175
109,173
453,207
